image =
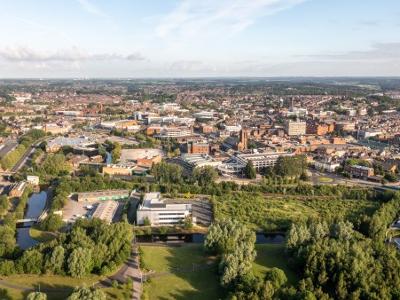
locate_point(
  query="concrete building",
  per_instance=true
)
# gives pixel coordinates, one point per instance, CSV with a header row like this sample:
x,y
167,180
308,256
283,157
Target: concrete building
x,y
197,148
260,160
360,171
157,212
31,179
106,211
103,195
75,142
328,166
295,128
118,169
17,189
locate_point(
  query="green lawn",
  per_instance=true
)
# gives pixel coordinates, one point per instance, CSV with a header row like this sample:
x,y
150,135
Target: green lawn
x,y
56,287
324,179
41,236
270,256
175,278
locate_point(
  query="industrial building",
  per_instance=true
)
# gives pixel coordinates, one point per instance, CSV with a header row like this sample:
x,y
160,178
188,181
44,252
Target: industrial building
x,y
157,212
106,210
103,195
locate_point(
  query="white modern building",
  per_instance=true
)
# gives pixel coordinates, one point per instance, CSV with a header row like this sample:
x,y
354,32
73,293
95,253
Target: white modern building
x,y
157,212
260,160
295,128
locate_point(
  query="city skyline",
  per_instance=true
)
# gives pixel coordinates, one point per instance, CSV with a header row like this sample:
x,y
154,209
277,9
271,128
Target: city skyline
x,y
264,38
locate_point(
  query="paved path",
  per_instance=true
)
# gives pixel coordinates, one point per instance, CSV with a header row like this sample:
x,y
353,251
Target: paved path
x,y
130,269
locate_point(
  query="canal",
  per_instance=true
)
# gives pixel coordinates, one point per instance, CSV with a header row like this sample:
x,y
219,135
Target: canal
x,y
261,238
35,207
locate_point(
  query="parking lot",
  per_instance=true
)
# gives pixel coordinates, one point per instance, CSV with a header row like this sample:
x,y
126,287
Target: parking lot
x,y
74,210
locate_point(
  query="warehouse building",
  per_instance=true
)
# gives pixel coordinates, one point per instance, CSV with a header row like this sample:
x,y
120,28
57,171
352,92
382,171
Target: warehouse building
x,y
106,211
103,195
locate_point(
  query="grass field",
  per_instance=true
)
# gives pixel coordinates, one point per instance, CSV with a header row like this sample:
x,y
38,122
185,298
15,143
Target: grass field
x,y
170,283
270,256
324,179
176,279
56,287
41,236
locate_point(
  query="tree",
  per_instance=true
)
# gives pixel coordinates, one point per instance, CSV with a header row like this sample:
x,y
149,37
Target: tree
x,y
56,261
31,262
36,296
85,293
116,152
390,177
250,171
167,173
289,166
205,175
52,223
79,262
235,243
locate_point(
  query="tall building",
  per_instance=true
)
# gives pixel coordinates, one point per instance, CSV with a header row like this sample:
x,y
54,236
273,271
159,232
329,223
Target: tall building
x,y
244,135
295,128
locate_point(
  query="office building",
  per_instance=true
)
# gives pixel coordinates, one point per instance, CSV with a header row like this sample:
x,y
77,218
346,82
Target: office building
x,y
294,128
157,212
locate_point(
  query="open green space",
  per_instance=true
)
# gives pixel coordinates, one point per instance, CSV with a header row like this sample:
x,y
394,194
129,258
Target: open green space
x,y
40,235
324,179
173,276
56,287
181,272
268,213
270,256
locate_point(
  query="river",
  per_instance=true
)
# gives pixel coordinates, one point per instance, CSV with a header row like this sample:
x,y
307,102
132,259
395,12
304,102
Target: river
x,y
261,238
36,205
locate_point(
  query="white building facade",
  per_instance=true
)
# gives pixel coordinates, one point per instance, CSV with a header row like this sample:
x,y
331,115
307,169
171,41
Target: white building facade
x,y
159,213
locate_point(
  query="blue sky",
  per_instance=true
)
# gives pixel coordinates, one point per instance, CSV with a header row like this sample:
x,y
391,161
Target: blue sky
x,y
178,38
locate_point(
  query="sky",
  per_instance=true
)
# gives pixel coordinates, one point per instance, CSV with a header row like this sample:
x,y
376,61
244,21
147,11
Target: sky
x,y
198,38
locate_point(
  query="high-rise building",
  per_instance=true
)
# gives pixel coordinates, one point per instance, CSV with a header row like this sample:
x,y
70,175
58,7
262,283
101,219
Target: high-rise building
x,y
244,135
295,128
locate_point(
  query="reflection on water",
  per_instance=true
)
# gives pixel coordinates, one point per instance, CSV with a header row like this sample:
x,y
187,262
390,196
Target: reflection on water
x,y
108,158
36,205
24,240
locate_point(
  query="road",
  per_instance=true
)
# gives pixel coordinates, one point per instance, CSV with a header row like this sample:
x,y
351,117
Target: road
x,y
23,159
7,147
337,179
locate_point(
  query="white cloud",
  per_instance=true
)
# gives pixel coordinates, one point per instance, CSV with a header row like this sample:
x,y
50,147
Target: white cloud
x,y
74,54
215,17
377,52
91,8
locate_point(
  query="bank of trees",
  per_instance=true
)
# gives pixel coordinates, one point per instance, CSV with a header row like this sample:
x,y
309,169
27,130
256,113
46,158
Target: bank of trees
x,y
90,247
338,262
290,166
167,173
11,158
234,243
250,171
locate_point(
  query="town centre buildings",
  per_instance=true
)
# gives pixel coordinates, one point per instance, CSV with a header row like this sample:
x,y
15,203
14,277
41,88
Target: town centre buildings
x,y
157,212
